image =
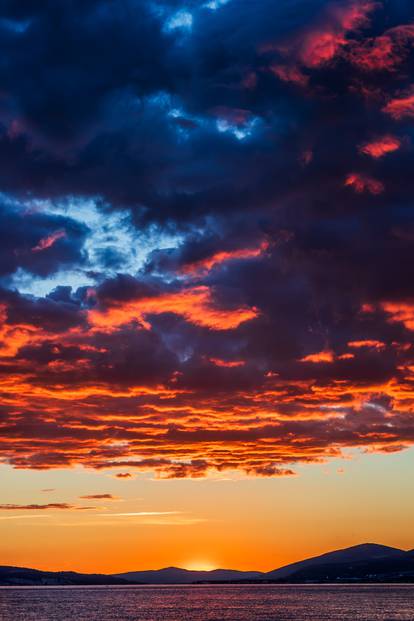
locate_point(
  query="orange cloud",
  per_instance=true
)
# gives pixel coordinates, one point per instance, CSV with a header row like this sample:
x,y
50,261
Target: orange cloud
x,y
382,146
321,356
367,343
49,241
205,265
400,313
227,363
195,304
195,433
364,183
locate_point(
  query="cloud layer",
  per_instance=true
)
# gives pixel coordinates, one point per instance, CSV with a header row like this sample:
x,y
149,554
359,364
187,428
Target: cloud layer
x,y
206,260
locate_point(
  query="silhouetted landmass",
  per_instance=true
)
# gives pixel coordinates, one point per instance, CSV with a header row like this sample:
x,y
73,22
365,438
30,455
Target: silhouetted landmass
x,y
22,576
175,575
366,552
363,563
379,570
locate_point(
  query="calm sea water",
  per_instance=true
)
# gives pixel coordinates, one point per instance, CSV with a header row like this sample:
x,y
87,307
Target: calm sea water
x,y
209,603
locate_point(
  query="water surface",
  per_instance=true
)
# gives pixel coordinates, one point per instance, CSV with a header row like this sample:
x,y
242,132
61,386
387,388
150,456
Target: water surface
x,y
209,603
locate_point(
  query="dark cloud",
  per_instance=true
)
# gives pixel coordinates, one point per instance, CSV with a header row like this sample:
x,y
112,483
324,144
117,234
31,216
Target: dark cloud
x,y
38,243
98,497
38,507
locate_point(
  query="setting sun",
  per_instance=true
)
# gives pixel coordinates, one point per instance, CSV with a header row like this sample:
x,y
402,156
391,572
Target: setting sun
x,y
199,565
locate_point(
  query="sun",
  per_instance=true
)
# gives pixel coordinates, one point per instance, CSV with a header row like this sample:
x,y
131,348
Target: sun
x,y
200,565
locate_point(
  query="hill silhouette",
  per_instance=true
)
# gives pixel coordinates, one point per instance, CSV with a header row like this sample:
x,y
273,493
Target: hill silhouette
x,y
368,562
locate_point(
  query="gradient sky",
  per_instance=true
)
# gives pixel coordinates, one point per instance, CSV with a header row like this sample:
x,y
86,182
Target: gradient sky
x,y
206,281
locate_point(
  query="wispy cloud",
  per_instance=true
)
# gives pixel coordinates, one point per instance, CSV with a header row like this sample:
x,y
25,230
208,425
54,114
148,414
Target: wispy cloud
x,y
99,497
139,513
42,507
22,517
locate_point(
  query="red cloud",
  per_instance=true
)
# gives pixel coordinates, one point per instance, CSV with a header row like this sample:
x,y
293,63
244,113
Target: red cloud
x,y
289,73
380,147
401,107
364,183
49,241
320,43
383,53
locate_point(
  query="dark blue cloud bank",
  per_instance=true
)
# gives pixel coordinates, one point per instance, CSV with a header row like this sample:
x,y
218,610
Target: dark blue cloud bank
x,y
207,232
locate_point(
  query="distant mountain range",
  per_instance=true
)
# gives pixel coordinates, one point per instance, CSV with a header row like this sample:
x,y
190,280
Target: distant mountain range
x,y
22,576
175,575
367,562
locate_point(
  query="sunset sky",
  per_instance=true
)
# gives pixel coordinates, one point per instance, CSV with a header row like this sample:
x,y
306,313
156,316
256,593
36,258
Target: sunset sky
x,y
206,281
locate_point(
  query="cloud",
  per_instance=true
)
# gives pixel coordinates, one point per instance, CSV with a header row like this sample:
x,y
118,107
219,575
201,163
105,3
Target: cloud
x,y
400,107
206,253
153,518
380,147
49,241
322,356
384,52
364,183
205,265
195,304
22,517
319,43
368,343
99,497
139,513
43,507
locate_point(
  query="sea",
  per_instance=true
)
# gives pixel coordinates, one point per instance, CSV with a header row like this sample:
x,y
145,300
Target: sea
x,y
380,602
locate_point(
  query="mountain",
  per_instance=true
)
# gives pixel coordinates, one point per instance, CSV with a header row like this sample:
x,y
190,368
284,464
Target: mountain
x,y
354,563
379,570
22,576
175,575
368,562
398,567
361,553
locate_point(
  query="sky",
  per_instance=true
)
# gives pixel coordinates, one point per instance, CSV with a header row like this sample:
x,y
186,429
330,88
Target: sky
x,y
206,281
